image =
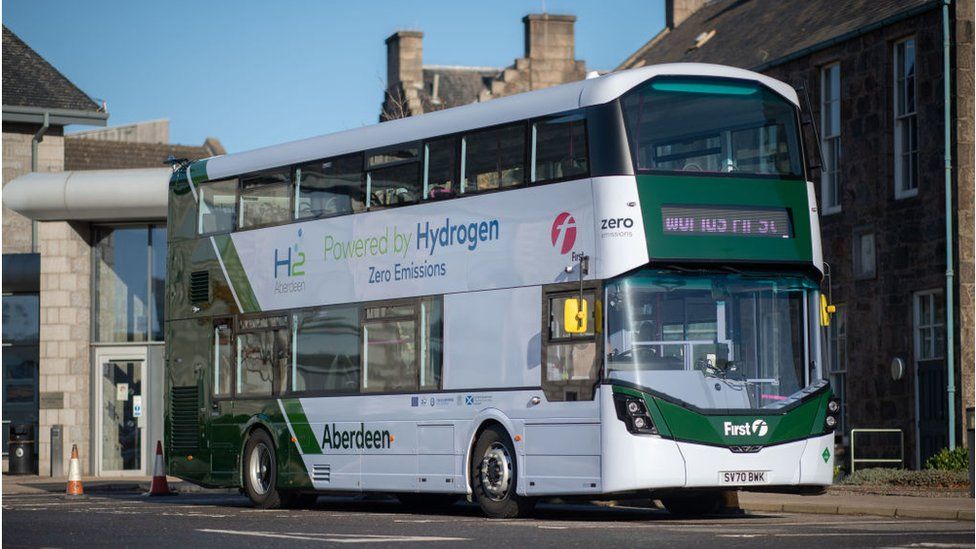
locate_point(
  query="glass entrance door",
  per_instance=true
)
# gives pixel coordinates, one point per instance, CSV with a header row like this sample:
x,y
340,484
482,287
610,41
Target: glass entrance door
x,y
122,425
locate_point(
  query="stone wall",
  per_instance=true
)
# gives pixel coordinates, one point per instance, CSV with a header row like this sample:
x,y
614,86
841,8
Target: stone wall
x,y
909,232
65,364
17,162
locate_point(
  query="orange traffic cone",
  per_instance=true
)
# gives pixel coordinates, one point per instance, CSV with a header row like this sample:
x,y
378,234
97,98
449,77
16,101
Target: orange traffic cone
x,y
159,485
74,475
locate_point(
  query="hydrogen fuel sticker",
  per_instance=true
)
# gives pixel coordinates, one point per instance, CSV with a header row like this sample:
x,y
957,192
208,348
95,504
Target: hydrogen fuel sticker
x,y
498,240
743,478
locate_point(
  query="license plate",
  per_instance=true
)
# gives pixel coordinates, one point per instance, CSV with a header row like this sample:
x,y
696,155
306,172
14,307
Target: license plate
x,y
739,478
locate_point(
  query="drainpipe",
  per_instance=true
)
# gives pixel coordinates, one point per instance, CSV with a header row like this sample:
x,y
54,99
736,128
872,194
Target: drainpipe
x,y
38,137
949,275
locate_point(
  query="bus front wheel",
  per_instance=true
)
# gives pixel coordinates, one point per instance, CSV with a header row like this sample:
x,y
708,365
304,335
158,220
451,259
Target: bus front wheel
x,y
494,474
261,471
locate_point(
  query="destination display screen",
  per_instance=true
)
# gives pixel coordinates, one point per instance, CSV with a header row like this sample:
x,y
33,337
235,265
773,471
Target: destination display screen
x,y
727,220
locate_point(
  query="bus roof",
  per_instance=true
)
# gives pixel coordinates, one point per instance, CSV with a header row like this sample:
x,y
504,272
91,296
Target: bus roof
x,y
562,98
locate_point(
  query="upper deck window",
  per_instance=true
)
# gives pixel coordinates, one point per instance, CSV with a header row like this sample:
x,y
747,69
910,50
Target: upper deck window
x,y
393,177
559,148
493,159
716,126
330,187
217,206
265,199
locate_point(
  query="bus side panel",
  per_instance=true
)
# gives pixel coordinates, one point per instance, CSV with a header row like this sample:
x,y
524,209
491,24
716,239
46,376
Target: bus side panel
x,y
492,339
188,389
199,255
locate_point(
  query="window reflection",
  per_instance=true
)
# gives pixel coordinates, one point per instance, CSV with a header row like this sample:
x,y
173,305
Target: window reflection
x,y
130,270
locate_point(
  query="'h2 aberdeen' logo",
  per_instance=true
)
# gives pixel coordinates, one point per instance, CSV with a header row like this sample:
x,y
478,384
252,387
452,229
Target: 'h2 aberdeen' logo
x,y
292,265
565,227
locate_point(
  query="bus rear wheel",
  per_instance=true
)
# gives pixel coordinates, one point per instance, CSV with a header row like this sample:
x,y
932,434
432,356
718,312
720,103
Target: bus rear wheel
x,y
261,471
693,504
494,476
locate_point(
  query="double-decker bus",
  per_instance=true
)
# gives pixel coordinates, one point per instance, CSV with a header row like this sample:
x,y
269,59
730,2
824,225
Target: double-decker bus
x,y
602,289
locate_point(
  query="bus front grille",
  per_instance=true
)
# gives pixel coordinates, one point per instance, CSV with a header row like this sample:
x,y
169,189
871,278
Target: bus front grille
x,y
184,419
321,473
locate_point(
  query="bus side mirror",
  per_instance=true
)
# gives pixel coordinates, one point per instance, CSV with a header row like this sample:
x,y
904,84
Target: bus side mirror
x,y
574,315
825,311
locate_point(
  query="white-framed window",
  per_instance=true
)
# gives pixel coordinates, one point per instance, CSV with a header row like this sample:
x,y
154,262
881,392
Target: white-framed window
x,y
906,121
929,325
830,183
837,362
864,253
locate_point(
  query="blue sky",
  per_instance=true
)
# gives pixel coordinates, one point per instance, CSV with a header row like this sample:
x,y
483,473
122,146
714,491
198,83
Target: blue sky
x,y
255,73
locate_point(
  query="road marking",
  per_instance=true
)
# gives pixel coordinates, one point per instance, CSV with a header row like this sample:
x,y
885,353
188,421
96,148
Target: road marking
x,y
822,534
932,544
334,538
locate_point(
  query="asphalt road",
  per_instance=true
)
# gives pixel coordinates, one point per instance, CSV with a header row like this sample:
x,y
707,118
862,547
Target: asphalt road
x,y
224,520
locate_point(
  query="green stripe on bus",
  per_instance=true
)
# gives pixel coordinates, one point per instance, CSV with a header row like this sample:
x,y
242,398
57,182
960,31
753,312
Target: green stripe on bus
x,y
299,424
178,183
198,171
237,274
681,423
651,403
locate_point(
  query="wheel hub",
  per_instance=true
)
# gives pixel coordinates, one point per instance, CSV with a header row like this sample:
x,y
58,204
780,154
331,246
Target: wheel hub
x,y
496,471
259,469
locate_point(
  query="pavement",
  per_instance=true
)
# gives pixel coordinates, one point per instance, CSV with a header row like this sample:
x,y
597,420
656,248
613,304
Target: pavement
x,y
831,503
206,519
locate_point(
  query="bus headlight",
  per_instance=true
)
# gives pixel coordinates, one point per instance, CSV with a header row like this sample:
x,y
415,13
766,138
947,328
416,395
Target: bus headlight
x,y
633,412
833,413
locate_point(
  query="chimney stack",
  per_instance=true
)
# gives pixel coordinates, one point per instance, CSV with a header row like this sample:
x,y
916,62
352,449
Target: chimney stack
x,y
550,37
676,11
404,58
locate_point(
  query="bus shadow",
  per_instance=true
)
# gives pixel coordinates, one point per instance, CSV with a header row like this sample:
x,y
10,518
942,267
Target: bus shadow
x,y
554,511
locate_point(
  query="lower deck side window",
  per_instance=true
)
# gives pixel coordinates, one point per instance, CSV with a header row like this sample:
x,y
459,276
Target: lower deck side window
x,y
402,346
326,357
255,364
223,359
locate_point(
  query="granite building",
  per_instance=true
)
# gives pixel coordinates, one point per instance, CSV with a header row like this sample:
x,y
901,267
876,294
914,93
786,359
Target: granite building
x,y
82,270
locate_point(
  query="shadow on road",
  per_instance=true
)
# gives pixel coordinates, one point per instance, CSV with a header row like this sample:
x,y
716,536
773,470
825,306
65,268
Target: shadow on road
x,y
358,504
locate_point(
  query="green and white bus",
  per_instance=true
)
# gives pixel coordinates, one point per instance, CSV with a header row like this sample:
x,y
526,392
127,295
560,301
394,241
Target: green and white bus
x,y
603,289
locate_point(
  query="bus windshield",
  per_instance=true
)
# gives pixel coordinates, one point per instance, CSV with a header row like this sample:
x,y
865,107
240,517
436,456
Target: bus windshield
x,y
718,126
714,341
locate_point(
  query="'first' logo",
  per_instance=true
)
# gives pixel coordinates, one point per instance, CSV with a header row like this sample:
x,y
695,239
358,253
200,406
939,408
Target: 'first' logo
x,y
564,232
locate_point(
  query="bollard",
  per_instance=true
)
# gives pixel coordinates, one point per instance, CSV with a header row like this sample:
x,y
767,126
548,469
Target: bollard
x,y
57,450
971,441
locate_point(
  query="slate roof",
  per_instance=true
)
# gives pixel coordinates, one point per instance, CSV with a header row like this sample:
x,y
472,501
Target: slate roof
x,y
456,85
94,154
755,34
30,81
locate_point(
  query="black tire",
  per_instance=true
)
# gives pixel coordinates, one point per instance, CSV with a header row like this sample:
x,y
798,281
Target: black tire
x,y
494,476
260,471
694,504
428,502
